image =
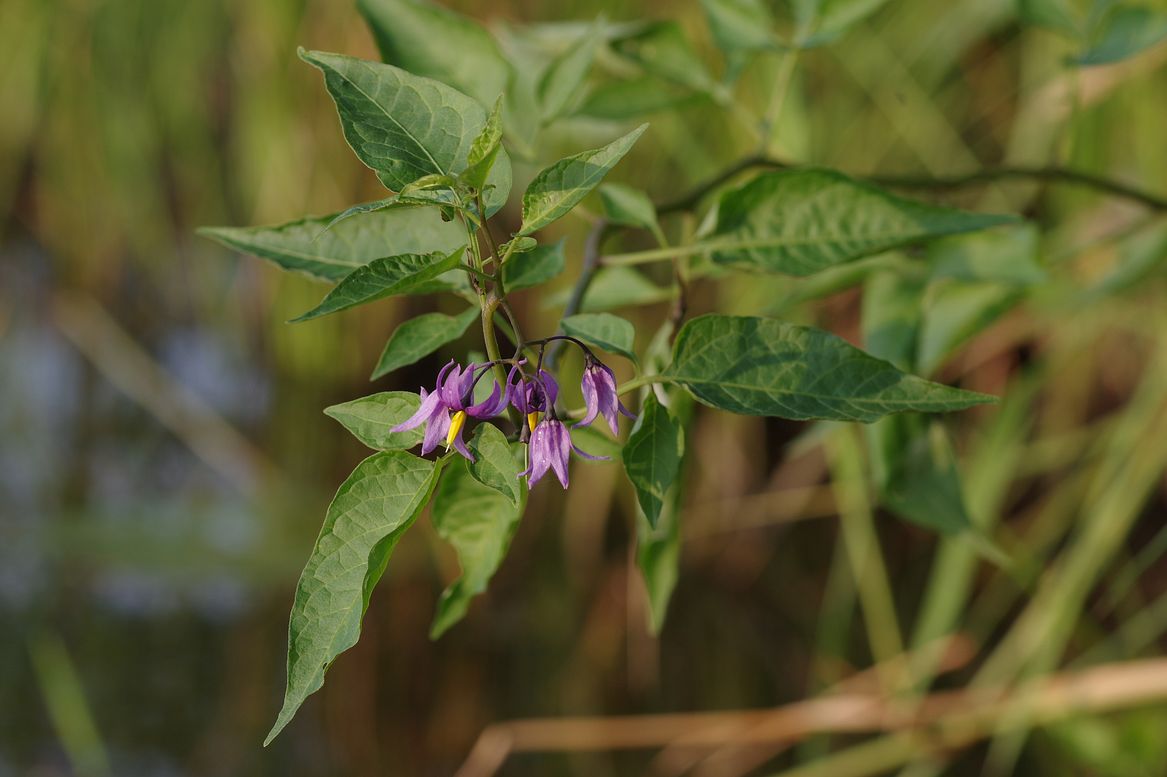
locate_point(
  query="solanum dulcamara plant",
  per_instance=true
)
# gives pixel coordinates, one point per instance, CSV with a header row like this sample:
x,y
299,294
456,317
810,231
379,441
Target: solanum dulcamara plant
x,y
438,123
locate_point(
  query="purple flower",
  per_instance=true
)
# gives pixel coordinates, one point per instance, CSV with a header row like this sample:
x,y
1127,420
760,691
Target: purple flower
x,y
551,448
599,393
454,392
532,397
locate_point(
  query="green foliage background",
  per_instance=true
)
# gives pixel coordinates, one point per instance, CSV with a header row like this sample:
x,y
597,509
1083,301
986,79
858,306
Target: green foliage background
x,y
165,461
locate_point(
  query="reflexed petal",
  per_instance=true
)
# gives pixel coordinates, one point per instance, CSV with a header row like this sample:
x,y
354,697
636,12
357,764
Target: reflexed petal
x,y
585,455
460,446
491,406
429,405
451,389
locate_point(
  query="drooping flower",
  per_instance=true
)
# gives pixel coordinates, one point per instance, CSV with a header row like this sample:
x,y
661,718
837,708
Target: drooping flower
x,y
599,392
551,448
453,393
532,397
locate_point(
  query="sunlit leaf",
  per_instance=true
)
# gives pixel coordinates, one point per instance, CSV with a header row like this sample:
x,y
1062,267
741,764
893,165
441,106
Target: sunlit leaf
x,y
558,188
484,150
479,522
382,278
420,336
306,246
757,366
372,510
799,222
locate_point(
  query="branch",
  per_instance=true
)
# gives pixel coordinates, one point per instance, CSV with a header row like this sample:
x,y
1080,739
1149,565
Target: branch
x,y
948,719
591,263
1062,175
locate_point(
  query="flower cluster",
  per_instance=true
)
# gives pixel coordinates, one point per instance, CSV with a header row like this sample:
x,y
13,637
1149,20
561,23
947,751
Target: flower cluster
x,y
444,412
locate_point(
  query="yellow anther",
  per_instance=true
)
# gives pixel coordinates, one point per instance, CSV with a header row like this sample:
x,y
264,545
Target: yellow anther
x,y
532,419
456,424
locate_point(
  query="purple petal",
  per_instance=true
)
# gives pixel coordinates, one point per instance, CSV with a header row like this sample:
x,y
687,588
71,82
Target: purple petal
x,y
591,397
550,389
539,452
489,407
435,432
560,442
625,411
460,446
585,455
429,404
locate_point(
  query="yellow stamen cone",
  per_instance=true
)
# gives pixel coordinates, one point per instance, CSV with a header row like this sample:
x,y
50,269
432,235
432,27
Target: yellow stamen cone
x,y
456,424
532,419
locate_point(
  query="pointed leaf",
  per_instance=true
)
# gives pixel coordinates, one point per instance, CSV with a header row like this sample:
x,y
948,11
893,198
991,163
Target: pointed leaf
x,y
370,419
1007,254
484,150
632,98
652,456
383,278
539,265
822,21
406,127
799,222
420,336
479,522
757,366
562,83
557,189
741,25
497,463
603,330
369,514
310,247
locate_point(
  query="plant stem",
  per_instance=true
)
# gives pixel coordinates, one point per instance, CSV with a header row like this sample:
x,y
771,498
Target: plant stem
x,y
591,263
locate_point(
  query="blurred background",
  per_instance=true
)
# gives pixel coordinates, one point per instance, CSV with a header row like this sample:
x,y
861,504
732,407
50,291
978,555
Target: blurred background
x,y
165,465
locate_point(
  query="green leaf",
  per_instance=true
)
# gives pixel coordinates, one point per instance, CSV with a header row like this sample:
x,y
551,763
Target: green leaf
x,y
757,366
799,222
652,456
956,312
539,265
418,337
1008,254
891,316
382,278
370,419
496,462
603,330
519,245
663,50
658,549
616,287
429,40
369,514
479,522
628,206
632,98
484,150
916,472
741,25
1056,15
306,246
563,80
1124,31
558,188
406,127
